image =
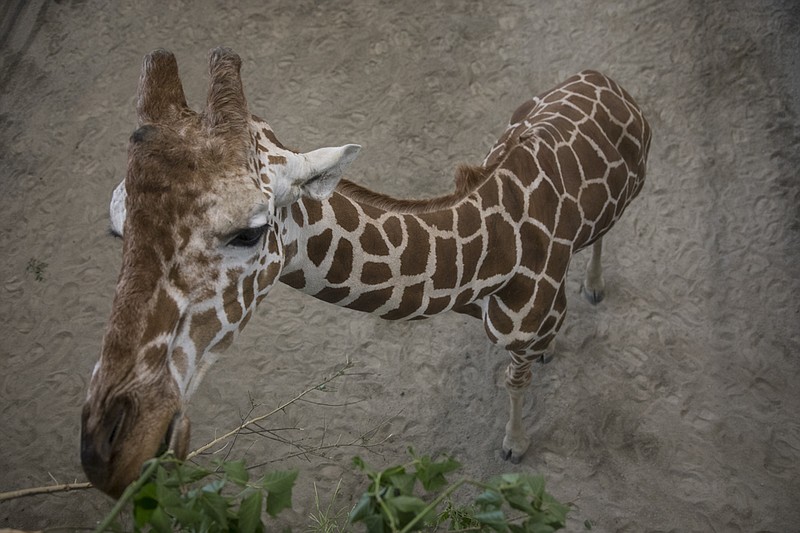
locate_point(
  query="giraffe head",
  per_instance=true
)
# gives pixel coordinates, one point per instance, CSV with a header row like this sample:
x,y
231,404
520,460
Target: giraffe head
x,y
199,212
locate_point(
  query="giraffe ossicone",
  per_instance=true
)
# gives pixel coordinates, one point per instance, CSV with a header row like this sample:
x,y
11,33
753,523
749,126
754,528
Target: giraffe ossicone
x,y
214,211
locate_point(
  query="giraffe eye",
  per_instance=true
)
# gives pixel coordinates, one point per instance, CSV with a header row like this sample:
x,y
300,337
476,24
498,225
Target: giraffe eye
x,y
249,237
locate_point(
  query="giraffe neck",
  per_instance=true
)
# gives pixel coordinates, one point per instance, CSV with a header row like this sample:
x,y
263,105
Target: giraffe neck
x,y
391,262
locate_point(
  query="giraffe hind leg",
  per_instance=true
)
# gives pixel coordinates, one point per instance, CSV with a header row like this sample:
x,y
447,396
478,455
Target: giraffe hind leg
x,y
593,286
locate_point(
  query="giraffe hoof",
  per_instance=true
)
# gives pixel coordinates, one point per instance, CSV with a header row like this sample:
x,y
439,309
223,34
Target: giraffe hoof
x,y
513,452
594,297
545,358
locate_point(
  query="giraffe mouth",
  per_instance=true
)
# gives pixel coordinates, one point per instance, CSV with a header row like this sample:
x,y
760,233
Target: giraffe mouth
x,y
177,436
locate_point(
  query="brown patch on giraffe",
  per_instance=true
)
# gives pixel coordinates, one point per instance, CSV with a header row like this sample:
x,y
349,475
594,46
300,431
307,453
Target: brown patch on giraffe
x,y
230,297
584,103
289,251
269,134
440,220
513,199
319,246
502,253
490,194
612,130
248,284
593,165
547,327
445,274
163,318
342,265
155,357
296,279
203,328
472,309
180,360
414,259
345,211
570,172
333,294
517,293
470,255
437,305
272,243
592,131
571,113
370,301
394,230
469,217
617,180
313,211
267,277
410,302
615,106
297,214
374,273
543,301
593,199
535,244
499,319
372,241
584,235
522,111
276,160
224,343
543,205
464,298
371,212
569,220
558,262
553,96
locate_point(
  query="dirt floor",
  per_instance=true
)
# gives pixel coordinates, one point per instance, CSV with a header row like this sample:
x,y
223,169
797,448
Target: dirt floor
x,y
671,406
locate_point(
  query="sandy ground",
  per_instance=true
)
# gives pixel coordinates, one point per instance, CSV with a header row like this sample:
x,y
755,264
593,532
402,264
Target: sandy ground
x,y
672,406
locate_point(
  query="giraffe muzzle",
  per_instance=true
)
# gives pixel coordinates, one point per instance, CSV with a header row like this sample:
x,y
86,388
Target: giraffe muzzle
x,y
114,447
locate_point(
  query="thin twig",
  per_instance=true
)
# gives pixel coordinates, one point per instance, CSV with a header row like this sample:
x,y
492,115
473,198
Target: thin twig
x,y
43,490
281,407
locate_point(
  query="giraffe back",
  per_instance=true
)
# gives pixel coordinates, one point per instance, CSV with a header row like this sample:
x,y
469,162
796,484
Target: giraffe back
x,y
579,152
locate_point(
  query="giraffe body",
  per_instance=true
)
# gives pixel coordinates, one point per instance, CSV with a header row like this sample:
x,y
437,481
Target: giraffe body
x,y
215,210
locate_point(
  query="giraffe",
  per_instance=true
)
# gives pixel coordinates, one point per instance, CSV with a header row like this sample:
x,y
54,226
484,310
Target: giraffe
x,y
214,210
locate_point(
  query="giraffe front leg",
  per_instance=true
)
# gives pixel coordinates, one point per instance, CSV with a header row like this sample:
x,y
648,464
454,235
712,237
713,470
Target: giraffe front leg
x,y
518,378
593,286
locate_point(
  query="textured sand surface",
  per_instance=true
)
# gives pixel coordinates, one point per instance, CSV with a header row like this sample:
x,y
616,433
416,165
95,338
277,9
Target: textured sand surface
x,y
671,406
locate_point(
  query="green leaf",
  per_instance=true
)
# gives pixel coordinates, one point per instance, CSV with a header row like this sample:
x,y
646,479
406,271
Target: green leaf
x,y
374,523
160,521
489,498
185,516
215,506
279,486
407,504
403,482
587,524
431,473
494,519
236,472
144,503
249,514
188,473
362,509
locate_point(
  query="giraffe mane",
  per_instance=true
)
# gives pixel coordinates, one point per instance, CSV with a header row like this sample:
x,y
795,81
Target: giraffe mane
x,y
467,179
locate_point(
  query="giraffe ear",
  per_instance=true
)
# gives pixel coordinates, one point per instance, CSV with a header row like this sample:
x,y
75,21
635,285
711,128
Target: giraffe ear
x,y
319,173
